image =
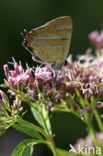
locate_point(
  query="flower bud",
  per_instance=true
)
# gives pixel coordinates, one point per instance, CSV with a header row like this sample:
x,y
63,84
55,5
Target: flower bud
x,y
88,109
6,70
4,97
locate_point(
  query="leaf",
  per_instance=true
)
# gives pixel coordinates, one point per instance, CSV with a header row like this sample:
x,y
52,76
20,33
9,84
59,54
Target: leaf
x,y
2,131
37,115
18,151
24,147
28,128
44,110
61,152
28,151
41,117
80,99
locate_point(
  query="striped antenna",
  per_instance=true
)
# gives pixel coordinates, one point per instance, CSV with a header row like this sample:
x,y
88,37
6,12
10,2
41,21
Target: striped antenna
x,y
25,31
22,35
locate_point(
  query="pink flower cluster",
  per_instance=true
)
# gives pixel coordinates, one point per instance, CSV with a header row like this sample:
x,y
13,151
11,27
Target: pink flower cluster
x,y
96,38
85,74
88,142
17,77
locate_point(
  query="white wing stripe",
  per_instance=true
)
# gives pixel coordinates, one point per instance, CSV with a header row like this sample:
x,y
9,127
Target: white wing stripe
x,y
68,28
46,38
57,46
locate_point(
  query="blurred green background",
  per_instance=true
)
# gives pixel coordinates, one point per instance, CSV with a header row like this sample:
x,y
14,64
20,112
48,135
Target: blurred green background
x,y
15,15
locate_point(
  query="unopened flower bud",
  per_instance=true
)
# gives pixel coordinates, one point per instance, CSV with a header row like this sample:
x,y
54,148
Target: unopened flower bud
x,y
99,106
4,97
21,109
74,105
16,66
20,69
6,70
49,103
88,109
12,107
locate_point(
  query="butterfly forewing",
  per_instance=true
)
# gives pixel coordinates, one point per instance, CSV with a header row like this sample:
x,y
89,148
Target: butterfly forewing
x,y
47,45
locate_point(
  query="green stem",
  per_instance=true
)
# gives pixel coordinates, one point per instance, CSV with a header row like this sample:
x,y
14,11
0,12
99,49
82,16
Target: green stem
x,y
97,116
44,125
52,145
46,133
53,149
92,131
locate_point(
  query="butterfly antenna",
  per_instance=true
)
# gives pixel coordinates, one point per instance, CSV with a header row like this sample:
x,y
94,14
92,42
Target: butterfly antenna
x,y
22,35
25,31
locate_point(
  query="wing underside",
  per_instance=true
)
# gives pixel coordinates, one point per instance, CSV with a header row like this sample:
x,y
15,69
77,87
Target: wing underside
x,y
52,42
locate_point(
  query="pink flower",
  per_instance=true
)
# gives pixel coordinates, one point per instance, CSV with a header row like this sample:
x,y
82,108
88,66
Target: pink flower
x,y
96,38
93,36
18,77
4,97
44,74
6,70
88,141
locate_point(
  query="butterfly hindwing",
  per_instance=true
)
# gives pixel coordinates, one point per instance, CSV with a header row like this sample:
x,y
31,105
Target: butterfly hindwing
x,y
63,26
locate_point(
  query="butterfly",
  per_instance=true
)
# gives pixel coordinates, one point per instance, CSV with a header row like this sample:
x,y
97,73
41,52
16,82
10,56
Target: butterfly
x,y
50,43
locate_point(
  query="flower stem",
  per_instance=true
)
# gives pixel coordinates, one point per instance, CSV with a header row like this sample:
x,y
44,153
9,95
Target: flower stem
x,y
44,125
97,116
92,131
46,132
52,144
53,148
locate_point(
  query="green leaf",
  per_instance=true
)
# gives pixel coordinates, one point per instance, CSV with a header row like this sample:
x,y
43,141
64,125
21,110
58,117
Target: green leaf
x,y
61,152
24,147
80,99
18,151
28,128
2,131
28,151
41,117
47,120
36,114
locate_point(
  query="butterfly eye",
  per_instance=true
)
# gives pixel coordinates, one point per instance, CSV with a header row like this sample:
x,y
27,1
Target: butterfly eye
x,y
24,43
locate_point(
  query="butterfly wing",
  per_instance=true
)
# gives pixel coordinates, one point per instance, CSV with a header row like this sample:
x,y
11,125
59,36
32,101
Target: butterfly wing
x,y
63,26
47,45
50,42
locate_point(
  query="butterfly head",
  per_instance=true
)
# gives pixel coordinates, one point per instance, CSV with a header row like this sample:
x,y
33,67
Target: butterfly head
x,y
26,41
27,44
